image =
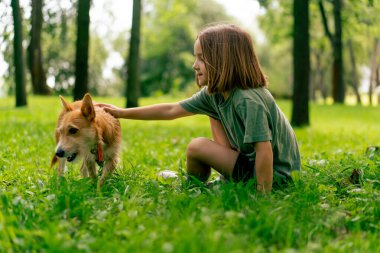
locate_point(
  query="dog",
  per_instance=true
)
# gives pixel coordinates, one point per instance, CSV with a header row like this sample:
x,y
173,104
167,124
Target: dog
x,y
86,131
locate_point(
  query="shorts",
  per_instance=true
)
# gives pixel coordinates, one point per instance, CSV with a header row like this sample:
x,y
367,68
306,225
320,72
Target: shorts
x,y
244,170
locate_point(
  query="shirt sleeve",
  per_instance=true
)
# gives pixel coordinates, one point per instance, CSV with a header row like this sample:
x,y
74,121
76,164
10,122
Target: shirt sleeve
x,y
200,103
256,120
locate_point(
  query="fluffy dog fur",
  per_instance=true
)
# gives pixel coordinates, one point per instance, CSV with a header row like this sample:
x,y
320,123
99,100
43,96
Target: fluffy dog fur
x,y
86,131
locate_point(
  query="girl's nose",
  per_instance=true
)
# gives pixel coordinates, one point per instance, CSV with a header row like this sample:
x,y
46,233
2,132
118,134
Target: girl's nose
x,y
195,66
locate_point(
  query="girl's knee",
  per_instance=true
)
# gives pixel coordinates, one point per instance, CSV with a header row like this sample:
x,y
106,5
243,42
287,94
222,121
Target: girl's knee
x,y
195,146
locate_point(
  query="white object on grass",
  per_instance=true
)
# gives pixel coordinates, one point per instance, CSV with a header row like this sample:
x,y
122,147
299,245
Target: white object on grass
x,y
167,174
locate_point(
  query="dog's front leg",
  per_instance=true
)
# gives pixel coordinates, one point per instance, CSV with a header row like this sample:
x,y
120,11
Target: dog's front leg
x,y
108,169
91,167
83,169
61,166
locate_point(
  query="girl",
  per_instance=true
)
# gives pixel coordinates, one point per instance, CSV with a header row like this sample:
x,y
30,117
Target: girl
x,y
251,136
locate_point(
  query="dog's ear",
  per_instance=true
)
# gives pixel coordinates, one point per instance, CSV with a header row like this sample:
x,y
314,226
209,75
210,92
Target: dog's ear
x,y
87,108
65,104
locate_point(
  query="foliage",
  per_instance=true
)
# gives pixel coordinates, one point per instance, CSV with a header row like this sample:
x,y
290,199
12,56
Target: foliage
x,y
360,19
58,46
138,212
169,31
275,55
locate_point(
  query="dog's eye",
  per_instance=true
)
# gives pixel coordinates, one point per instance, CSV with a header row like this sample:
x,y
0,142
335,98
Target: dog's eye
x,y
73,130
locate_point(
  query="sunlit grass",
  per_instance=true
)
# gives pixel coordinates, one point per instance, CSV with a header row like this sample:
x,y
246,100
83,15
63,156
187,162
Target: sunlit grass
x,y
138,212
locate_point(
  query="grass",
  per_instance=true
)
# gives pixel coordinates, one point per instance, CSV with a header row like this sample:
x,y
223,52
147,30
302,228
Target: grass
x,y
138,212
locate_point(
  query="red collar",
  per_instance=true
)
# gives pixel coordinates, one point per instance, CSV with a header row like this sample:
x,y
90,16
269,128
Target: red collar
x,y
99,159
100,154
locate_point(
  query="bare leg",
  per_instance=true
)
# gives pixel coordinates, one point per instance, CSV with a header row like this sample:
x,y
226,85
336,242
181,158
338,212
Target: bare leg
x,y
219,136
204,154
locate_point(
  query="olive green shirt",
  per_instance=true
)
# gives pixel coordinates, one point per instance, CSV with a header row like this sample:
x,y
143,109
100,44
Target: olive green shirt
x,y
250,116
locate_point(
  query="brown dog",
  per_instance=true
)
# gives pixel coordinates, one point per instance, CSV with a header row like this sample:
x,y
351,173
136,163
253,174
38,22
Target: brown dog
x,y
87,131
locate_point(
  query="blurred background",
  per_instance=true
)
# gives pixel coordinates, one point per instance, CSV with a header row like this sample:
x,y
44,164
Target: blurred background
x,y
325,51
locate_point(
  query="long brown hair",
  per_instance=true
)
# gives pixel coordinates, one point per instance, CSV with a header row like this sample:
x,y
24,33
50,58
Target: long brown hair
x,y
230,59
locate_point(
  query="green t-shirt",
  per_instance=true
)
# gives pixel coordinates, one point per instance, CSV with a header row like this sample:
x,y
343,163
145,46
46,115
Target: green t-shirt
x,y
250,116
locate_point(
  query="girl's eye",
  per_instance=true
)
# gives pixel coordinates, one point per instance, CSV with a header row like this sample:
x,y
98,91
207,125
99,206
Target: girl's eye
x,y
73,130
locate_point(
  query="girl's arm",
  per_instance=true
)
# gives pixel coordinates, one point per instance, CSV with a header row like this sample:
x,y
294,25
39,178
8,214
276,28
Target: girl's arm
x,y
164,111
264,166
218,133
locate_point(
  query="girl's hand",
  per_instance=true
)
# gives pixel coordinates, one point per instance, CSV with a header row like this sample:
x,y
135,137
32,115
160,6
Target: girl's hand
x,y
111,109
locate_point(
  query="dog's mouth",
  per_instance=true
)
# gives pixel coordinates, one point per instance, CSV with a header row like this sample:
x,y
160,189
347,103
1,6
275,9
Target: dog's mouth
x,y
71,157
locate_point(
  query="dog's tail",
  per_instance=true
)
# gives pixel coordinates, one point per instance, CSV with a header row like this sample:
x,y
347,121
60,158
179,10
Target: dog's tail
x,y
53,161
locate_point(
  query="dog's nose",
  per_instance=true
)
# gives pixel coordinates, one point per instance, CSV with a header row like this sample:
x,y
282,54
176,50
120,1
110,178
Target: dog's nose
x,y
60,152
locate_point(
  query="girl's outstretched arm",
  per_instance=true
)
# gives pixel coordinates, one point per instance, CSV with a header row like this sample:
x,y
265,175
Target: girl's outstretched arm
x,y
165,111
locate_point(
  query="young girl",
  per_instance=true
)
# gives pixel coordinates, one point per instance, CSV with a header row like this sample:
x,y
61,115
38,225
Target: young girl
x,y
251,136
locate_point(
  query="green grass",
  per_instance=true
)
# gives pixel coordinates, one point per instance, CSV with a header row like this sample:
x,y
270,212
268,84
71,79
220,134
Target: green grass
x,y
137,212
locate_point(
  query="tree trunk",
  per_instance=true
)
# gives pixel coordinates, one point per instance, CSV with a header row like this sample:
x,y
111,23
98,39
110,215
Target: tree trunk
x,y
372,75
320,76
133,68
82,49
338,90
35,52
18,55
355,80
336,44
301,63
378,84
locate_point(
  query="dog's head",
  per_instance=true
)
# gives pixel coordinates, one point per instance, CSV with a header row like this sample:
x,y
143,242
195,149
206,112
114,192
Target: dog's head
x,y
75,129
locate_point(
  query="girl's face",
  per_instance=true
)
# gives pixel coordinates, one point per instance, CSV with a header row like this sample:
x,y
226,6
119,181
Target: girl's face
x,y
199,65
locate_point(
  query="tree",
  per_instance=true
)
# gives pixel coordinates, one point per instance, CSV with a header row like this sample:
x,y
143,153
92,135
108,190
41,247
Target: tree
x,y
275,54
301,63
336,44
18,55
133,68
354,75
35,52
82,48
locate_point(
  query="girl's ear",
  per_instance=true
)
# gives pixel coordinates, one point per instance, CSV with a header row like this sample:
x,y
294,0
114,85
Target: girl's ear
x,y
87,108
65,104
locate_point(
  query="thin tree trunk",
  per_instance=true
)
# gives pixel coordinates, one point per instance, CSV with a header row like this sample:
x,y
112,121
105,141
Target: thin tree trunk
x,y
378,84
320,77
133,68
336,44
373,69
18,55
301,63
82,49
35,52
355,79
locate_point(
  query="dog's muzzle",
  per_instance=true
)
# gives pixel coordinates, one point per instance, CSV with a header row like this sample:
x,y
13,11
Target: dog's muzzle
x,y
61,153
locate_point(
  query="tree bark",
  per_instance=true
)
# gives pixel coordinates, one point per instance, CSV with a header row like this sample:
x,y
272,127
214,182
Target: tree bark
x,y
82,49
34,51
301,63
21,99
355,79
372,76
335,39
133,66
